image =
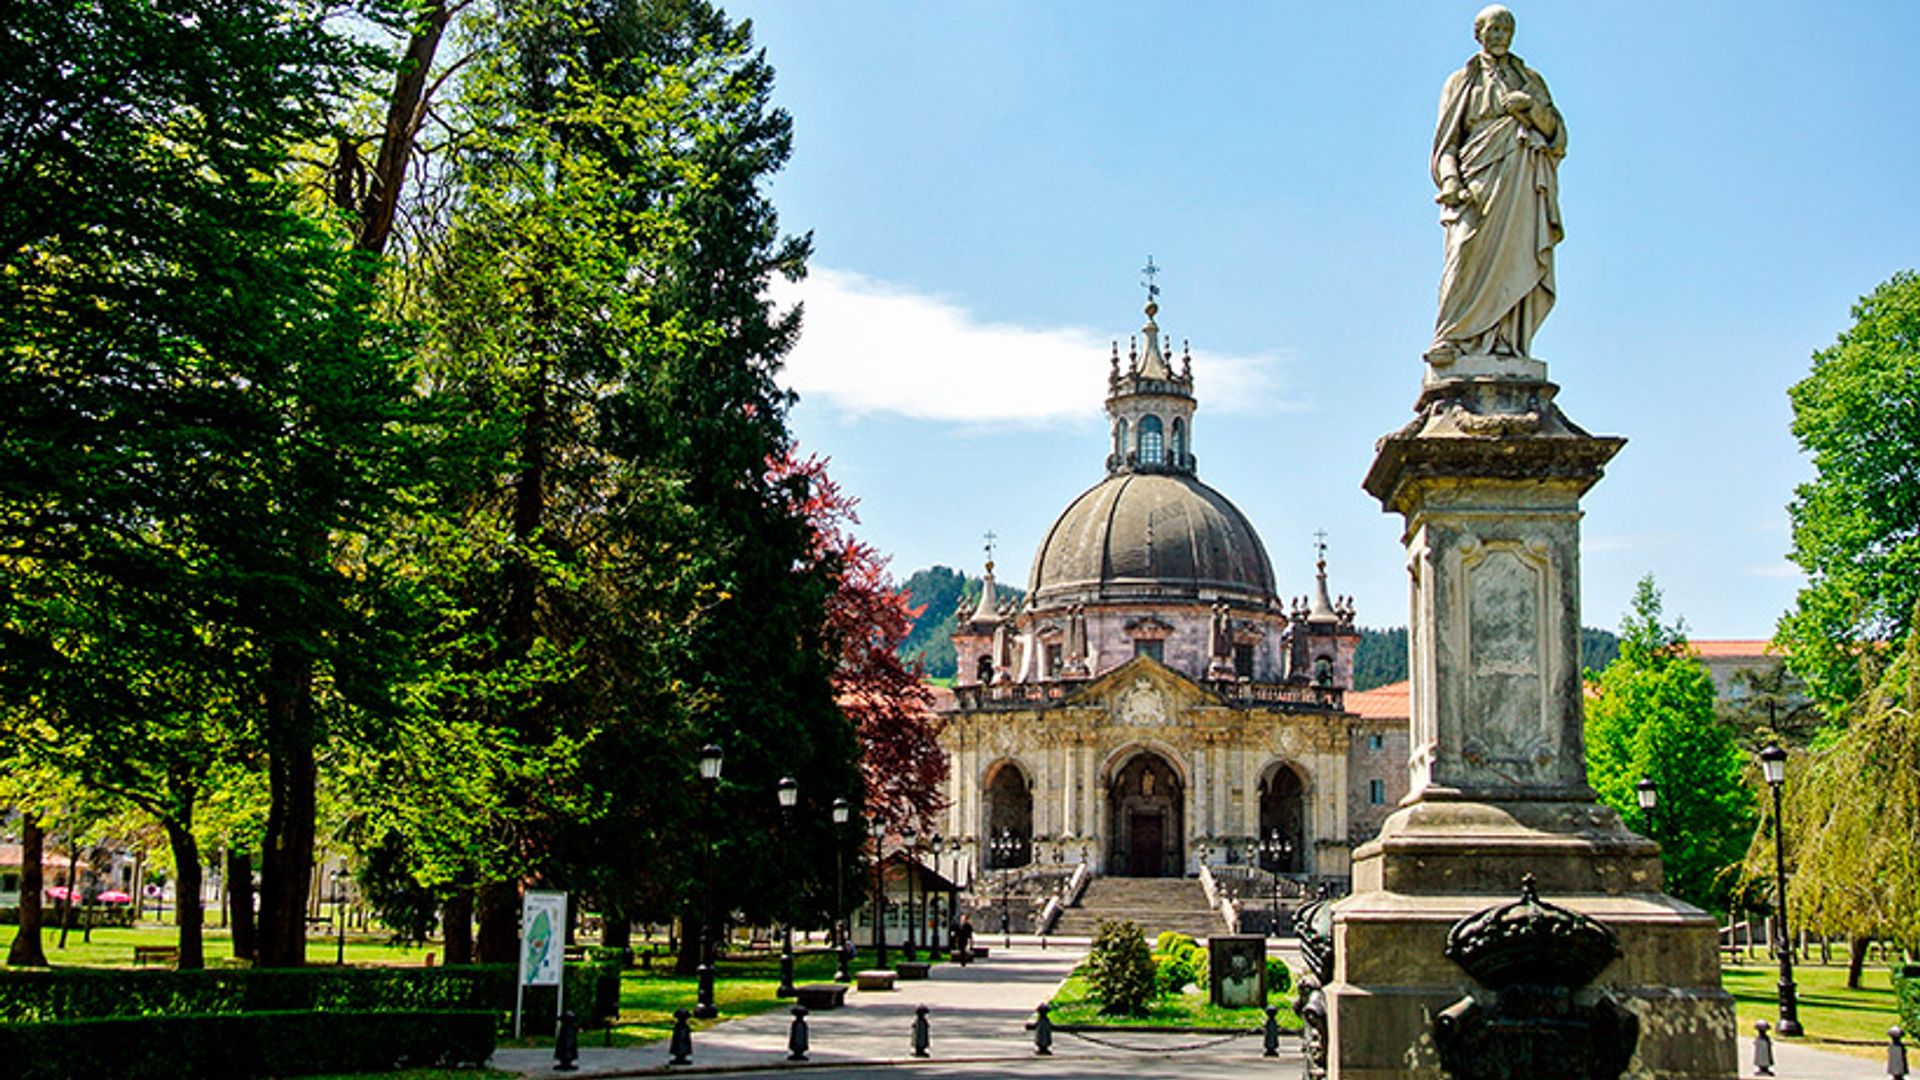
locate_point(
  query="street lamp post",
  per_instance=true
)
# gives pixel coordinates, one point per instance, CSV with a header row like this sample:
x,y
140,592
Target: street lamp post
x,y
1773,762
935,950
340,914
842,938
1006,847
789,794
879,890
711,759
1276,849
911,949
1648,793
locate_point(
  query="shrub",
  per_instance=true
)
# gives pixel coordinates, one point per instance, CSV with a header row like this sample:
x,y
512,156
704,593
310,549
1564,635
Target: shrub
x,y
1279,977
1906,995
1171,941
245,1044
1174,971
1121,969
29,995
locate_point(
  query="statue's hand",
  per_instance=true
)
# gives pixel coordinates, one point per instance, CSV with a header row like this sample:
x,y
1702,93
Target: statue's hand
x,y
1519,103
1452,194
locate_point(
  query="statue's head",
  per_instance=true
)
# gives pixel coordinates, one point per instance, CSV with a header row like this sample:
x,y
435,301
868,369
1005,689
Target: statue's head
x,y
1493,29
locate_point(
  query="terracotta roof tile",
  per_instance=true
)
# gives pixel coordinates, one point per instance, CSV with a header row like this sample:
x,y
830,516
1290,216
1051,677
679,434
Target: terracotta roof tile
x,y
1389,702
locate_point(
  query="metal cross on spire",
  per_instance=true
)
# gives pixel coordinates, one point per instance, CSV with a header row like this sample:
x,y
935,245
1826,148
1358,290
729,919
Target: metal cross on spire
x,y
1320,543
990,539
1152,271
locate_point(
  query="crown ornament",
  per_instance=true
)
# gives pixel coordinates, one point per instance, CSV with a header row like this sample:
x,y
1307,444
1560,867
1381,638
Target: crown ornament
x,y
1531,942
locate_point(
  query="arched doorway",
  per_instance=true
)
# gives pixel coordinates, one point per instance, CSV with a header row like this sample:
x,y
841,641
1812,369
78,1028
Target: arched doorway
x,y
1009,803
1146,807
1283,813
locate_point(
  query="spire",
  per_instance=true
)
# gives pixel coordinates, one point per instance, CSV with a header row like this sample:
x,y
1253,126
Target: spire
x,y
1153,365
1322,610
988,609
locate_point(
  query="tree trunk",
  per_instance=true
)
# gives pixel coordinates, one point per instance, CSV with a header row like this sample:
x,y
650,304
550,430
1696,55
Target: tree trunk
x,y
240,904
456,918
1856,959
499,923
26,950
66,902
616,929
187,913
687,960
286,861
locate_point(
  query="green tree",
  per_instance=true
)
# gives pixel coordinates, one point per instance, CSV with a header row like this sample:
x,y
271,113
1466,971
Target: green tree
x,y
1855,870
198,407
1856,524
1653,718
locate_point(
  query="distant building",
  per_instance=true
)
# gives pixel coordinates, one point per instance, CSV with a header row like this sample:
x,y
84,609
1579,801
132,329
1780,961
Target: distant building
x,y
1152,704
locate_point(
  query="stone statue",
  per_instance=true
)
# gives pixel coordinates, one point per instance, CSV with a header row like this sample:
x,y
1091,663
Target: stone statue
x,y
1496,155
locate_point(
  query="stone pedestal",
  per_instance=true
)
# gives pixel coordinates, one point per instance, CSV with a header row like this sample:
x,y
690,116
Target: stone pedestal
x,y
1489,477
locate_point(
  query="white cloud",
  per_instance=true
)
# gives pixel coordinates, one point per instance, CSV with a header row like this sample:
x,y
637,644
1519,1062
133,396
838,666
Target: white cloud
x,y
1775,570
870,347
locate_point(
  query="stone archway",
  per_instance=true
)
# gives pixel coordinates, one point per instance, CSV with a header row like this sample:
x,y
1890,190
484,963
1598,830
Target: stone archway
x,y
1283,811
1146,808
1009,806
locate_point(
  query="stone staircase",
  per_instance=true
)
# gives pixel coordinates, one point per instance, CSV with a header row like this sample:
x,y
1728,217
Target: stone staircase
x,y
1153,904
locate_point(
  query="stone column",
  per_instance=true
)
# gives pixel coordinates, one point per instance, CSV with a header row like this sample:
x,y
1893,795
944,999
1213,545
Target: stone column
x,y
1488,478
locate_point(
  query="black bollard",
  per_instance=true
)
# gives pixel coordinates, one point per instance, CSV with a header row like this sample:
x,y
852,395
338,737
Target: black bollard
x,y
1896,1055
1762,1050
847,952
797,1035
566,1043
681,1045
1272,1033
1043,1031
704,1008
920,1032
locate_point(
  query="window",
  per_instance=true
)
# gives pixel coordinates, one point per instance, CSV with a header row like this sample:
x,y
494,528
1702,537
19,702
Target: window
x,y
1243,661
1179,456
1053,661
1377,792
1376,742
9,882
1151,446
1155,649
1120,437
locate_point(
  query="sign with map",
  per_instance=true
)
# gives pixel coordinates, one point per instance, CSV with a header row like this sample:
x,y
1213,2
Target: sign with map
x,y
543,931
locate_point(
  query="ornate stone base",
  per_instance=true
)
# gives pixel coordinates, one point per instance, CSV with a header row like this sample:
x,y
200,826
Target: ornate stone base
x,y
1437,862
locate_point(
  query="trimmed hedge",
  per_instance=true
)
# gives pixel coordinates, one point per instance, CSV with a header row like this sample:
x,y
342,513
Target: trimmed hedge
x,y
230,1047
1906,996
42,995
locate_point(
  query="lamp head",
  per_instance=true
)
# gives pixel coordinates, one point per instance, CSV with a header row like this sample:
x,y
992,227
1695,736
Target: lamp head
x,y
711,757
1773,762
841,811
1647,792
789,792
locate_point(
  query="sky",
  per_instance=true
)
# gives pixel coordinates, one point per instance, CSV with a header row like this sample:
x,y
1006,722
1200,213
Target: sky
x,y
985,180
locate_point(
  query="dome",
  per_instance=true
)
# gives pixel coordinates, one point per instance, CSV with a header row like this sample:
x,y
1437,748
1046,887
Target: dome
x,y
1144,535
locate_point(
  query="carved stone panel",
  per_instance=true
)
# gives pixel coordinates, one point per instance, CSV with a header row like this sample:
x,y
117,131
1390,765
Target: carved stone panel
x,y
1511,738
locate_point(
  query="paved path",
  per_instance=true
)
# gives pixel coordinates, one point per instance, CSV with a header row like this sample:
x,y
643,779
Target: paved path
x,y
978,1018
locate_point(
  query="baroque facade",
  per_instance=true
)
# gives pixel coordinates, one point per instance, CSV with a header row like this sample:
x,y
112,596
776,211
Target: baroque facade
x,y
1152,704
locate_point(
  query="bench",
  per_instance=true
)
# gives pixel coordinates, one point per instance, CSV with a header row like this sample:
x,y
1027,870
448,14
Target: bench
x,y
155,954
912,969
816,997
873,980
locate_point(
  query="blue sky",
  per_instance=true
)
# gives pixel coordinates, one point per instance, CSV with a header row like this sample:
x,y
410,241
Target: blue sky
x,y
984,181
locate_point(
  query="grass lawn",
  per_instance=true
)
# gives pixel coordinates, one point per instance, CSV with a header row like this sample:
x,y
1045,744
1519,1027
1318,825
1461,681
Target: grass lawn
x,y
112,946
1834,1017
1075,1004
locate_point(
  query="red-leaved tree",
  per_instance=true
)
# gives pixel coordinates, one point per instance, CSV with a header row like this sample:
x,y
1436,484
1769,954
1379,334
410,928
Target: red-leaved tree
x,y
883,695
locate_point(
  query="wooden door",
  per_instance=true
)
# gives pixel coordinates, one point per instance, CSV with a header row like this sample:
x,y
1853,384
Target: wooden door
x,y
1146,856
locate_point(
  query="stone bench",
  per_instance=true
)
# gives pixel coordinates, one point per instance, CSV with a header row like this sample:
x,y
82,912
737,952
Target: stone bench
x,y
873,980
818,997
912,969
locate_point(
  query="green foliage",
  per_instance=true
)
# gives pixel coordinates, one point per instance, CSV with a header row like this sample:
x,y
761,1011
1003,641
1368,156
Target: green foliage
x,y
1279,977
245,1044
1654,718
1177,963
1121,969
1853,871
1856,524
1906,994
1172,941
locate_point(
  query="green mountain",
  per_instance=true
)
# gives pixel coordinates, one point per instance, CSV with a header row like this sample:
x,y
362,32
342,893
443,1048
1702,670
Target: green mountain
x,y
1382,656
942,593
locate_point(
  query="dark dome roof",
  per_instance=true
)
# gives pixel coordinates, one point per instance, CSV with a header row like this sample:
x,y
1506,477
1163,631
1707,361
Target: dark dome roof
x,y
1151,536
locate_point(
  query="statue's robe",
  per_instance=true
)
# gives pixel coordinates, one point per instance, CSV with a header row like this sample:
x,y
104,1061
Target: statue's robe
x,y
1497,285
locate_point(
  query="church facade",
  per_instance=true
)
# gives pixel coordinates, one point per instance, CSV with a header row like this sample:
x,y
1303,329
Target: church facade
x,y
1152,704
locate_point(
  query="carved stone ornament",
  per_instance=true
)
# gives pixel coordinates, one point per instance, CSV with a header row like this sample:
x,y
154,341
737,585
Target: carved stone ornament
x,y
1140,706
1536,956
